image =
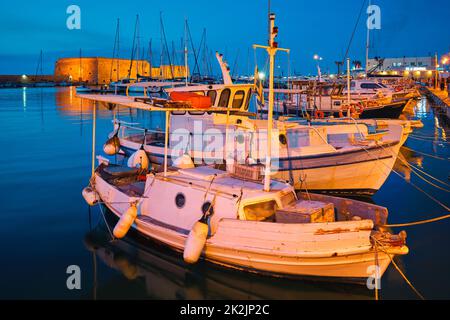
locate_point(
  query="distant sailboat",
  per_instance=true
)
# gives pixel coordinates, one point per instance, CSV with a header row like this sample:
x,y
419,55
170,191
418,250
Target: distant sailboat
x,y
41,83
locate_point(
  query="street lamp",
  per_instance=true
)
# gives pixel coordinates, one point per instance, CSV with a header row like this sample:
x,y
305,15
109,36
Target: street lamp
x,y
318,59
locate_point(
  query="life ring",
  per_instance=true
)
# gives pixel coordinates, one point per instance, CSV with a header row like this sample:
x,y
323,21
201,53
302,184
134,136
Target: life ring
x,y
361,107
352,111
320,114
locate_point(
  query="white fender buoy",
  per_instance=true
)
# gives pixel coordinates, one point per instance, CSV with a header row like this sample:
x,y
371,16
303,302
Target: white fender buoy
x,y
184,162
126,221
195,242
90,196
112,146
139,159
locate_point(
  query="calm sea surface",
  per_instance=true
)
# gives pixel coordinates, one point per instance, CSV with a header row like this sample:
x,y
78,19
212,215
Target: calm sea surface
x,y
45,225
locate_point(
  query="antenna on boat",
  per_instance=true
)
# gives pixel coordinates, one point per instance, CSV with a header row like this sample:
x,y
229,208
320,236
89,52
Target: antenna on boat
x,y
272,50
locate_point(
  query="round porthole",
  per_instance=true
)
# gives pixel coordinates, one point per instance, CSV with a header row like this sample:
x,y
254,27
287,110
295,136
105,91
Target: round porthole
x,y
207,207
283,139
240,138
180,200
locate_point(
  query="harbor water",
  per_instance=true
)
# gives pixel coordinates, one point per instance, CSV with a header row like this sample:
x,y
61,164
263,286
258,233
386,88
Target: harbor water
x,y
46,226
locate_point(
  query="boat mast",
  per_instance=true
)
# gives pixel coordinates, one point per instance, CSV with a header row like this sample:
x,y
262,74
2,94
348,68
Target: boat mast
x,y
81,69
368,44
118,49
348,84
186,75
164,39
133,47
115,51
272,50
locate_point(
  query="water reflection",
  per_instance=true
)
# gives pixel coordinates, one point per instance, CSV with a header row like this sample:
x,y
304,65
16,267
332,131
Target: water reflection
x,y
24,98
152,271
406,156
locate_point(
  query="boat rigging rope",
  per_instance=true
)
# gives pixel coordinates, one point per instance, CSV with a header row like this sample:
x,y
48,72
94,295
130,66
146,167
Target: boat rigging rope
x,y
377,264
391,169
354,30
427,154
412,167
106,222
412,184
382,248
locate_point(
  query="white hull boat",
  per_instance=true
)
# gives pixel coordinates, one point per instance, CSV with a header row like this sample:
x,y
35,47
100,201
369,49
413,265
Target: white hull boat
x,y
340,166
231,218
242,237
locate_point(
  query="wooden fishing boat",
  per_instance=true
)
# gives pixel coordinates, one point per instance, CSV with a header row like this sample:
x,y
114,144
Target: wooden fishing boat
x,y
233,219
243,230
339,158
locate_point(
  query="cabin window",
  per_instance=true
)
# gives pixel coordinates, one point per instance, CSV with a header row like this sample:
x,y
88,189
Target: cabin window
x,y
224,98
260,211
283,139
369,86
247,103
238,99
196,113
180,200
208,209
213,95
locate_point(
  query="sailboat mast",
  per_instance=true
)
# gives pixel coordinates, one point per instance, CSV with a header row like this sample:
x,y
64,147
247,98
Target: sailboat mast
x,y
163,33
118,49
368,43
186,75
150,56
115,52
81,68
133,47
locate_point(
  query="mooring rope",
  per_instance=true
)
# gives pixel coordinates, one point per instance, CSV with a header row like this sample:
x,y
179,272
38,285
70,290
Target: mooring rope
x,y
399,270
429,140
417,223
418,188
409,182
377,264
426,154
412,167
107,225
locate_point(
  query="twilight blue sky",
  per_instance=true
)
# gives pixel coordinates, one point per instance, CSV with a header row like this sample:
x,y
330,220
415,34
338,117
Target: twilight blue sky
x,y
409,27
